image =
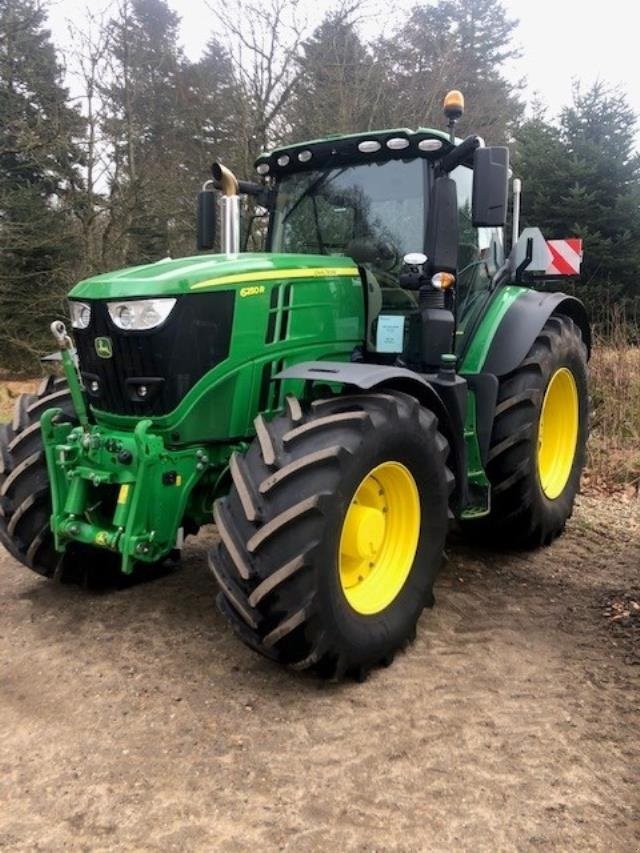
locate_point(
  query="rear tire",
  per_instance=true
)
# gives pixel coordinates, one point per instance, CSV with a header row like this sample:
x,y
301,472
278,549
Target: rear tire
x,y
279,563
530,506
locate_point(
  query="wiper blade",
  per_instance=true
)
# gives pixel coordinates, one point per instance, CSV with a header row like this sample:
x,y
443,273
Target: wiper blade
x,y
310,189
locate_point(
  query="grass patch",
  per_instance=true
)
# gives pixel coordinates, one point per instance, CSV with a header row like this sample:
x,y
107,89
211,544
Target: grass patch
x,y
614,446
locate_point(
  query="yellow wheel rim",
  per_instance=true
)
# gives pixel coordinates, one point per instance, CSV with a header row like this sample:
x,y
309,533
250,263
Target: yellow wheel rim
x,y
379,538
558,433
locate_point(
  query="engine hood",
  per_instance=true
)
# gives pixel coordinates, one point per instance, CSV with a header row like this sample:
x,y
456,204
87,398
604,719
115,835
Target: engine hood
x,y
202,272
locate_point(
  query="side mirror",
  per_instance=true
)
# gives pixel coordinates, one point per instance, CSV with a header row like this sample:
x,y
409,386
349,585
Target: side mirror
x,y
206,227
442,227
490,186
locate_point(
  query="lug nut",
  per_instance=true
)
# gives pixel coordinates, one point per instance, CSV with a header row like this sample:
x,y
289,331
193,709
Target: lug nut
x,y
94,386
142,391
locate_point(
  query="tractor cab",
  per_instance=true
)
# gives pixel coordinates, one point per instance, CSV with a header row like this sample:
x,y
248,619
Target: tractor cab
x,y
419,212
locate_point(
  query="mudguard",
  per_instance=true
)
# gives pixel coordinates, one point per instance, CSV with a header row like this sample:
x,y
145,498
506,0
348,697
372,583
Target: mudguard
x,y
523,323
446,399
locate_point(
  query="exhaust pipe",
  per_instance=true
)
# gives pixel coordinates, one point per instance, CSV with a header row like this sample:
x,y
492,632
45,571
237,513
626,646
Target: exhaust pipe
x,y
229,210
517,193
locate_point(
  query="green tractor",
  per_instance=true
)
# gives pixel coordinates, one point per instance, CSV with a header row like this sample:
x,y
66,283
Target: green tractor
x,y
331,403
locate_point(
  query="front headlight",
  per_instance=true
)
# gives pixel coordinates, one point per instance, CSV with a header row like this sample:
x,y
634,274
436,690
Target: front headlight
x,y
80,314
140,314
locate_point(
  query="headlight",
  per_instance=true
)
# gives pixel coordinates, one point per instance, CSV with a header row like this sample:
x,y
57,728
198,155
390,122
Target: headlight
x,y
80,314
140,314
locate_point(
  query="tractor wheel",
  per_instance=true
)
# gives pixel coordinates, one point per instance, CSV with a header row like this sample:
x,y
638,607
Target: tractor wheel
x,y
333,532
25,501
538,441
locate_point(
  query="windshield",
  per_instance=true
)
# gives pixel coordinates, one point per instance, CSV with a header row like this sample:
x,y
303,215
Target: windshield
x,y
372,212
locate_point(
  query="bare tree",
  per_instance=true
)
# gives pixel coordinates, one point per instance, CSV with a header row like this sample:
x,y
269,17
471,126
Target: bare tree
x,y
89,57
264,41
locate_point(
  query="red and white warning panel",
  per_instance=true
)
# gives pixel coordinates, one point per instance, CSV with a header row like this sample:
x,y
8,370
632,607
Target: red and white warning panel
x,y
566,256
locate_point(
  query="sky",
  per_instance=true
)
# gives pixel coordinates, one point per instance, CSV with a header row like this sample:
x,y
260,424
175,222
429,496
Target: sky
x,y
560,41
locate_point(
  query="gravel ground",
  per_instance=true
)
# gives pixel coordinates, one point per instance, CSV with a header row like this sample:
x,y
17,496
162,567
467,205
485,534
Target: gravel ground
x,y
133,720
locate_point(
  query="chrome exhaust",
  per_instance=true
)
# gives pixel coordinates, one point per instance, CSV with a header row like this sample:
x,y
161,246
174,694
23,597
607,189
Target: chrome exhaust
x,y
229,210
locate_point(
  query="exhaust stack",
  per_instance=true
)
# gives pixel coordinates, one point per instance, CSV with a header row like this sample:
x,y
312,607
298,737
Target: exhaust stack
x,y
229,210
517,192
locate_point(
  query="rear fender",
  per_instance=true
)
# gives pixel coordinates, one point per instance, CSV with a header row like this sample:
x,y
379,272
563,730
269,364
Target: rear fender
x,y
522,324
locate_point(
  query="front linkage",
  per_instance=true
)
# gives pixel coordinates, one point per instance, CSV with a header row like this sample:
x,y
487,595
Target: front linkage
x,y
126,492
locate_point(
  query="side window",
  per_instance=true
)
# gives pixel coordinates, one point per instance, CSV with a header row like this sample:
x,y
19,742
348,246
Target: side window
x,y
479,250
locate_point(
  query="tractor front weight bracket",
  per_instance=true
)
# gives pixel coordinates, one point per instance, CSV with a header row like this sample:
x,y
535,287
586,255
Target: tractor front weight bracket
x,y
123,491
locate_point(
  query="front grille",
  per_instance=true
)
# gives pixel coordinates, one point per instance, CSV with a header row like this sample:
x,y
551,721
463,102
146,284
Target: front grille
x,y
170,360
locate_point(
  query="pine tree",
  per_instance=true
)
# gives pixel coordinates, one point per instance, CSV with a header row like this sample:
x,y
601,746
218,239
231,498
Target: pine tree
x,y
583,179
145,101
340,87
603,203
455,44
540,157
213,120
38,168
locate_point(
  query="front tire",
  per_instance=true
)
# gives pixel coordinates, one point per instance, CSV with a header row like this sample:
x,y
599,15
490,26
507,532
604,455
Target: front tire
x,y
304,578
25,496
538,442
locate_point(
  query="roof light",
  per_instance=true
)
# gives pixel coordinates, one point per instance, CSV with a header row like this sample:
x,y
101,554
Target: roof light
x,y
430,144
397,143
369,146
304,156
453,105
284,160
262,168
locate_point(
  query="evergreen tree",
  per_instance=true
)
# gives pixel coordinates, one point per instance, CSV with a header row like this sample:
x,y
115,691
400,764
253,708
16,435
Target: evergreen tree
x,y
214,120
603,203
455,44
340,87
145,101
583,179
540,157
38,167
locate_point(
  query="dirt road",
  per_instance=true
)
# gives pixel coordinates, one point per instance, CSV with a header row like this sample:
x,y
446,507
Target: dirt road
x,y
134,720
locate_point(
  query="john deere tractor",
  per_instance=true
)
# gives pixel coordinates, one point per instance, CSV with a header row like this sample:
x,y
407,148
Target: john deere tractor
x,y
331,403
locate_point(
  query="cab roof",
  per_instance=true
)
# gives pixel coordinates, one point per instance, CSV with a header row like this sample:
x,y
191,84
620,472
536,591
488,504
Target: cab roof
x,y
350,149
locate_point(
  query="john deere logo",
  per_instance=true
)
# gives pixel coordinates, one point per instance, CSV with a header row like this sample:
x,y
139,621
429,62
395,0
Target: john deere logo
x,y
103,347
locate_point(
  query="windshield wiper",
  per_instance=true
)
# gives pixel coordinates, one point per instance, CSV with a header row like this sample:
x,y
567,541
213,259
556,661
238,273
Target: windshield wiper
x,y
311,188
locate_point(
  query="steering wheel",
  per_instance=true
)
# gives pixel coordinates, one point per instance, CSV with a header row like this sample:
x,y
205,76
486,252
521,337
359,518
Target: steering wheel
x,y
387,256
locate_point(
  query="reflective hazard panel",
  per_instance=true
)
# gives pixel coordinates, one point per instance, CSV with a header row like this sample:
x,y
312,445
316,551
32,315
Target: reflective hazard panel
x,y
566,256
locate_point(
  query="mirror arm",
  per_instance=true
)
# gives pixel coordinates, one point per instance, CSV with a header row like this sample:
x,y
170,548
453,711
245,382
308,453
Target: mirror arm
x,y
263,195
519,277
459,154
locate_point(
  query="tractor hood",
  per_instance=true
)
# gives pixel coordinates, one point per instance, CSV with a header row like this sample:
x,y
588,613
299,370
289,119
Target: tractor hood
x,y
203,272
